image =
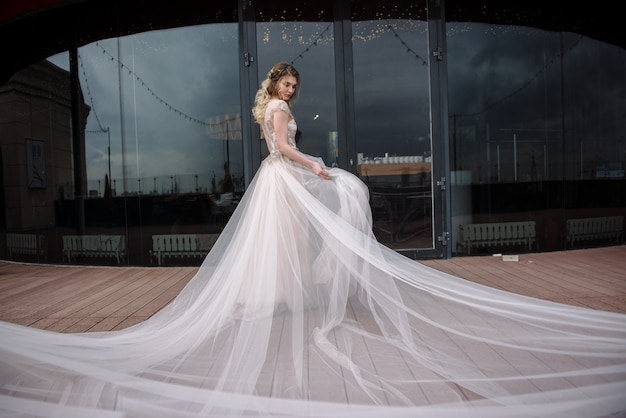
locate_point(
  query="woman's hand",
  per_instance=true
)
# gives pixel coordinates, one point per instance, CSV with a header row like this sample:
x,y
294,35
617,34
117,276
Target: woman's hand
x,y
281,130
320,171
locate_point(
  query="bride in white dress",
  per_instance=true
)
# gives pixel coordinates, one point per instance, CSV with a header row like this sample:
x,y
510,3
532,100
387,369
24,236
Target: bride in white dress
x,y
299,311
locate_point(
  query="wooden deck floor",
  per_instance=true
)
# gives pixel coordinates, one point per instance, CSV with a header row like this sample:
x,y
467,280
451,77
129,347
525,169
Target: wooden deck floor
x,y
79,298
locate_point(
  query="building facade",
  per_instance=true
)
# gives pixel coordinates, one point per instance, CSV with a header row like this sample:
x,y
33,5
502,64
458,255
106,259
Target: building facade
x,y
478,127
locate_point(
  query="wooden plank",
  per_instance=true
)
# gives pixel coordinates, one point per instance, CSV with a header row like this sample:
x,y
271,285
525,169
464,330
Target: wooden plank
x,y
176,280
47,298
80,298
589,277
325,379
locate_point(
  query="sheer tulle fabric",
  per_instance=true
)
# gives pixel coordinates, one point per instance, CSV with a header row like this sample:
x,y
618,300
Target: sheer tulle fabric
x,y
299,311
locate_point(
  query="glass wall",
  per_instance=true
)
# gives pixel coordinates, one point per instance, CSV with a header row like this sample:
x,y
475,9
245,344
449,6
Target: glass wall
x,y
392,112
536,130
161,125
285,34
125,139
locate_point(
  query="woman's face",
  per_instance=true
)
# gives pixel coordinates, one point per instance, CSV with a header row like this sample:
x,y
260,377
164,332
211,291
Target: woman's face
x,y
286,87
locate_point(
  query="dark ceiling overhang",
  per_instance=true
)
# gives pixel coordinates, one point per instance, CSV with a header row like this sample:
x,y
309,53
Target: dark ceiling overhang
x,y
32,30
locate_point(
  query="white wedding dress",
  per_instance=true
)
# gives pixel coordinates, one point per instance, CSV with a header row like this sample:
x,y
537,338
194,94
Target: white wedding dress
x,y
299,311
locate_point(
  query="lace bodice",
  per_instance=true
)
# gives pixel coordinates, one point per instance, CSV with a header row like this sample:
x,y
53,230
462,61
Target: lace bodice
x,y
268,128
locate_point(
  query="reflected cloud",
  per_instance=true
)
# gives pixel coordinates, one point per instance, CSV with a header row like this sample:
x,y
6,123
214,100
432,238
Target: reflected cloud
x,y
171,81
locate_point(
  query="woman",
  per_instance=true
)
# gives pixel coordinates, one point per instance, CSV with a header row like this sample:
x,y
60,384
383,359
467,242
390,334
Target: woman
x,y
298,311
278,89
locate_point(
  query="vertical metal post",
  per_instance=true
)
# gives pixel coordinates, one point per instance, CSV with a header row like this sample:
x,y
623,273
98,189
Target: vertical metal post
x,y
78,146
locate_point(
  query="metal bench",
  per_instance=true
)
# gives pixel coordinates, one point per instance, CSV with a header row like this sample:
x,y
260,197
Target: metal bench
x,y
181,245
593,229
500,234
94,246
26,244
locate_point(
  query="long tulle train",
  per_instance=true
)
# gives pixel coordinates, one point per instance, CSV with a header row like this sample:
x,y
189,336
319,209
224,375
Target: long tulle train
x,y
299,311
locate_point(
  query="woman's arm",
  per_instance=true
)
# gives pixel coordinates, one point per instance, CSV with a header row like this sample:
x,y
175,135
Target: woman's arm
x,y
280,120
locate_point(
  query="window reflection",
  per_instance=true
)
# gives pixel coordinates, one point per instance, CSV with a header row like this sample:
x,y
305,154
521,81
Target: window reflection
x,y
176,123
309,46
530,112
162,140
391,80
535,124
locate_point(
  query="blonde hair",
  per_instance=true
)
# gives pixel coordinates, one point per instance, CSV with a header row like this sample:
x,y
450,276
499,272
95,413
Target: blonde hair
x,y
268,88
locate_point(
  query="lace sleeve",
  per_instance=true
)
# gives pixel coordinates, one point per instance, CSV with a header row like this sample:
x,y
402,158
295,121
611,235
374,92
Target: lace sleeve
x,y
273,107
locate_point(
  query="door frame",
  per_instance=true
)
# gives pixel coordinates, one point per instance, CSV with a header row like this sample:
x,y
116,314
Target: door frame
x,y
346,124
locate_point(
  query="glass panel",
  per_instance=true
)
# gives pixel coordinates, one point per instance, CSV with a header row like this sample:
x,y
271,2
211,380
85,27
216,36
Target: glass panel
x,y
505,122
286,32
391,80
163,144
594,89
532,128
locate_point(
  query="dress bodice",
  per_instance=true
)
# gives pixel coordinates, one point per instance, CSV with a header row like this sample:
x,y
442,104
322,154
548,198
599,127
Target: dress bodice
x,y
268,128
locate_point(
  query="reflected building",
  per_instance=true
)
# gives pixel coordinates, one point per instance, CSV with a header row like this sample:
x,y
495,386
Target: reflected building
x,y
37,148
465,119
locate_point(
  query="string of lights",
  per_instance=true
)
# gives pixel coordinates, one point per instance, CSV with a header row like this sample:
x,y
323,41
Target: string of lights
x,y
314,43
88,90
408,48
320,37
158,98
324,33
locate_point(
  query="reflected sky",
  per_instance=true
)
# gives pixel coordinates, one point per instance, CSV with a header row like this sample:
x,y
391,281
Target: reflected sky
x,y
391,76
559,93
174,81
